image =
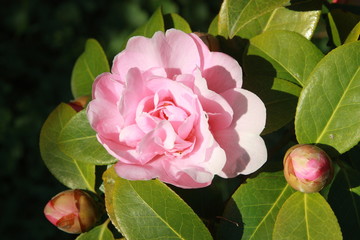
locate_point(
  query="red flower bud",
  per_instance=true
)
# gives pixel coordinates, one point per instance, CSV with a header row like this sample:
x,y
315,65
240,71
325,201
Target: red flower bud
x,y
79,103
73,211
209,40
307,168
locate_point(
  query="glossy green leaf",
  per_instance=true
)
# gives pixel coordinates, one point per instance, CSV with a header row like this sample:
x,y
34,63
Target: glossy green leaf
x,y
356,190
304,217
236,14
341,24
174,20
335,36
71,173
279,96
282,54
301,17
150,210
78,140
345,202
329,106
100,232
354,34
213,28
251,212
154,24
88,66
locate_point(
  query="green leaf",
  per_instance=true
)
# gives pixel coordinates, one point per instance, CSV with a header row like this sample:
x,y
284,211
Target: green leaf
x,y
282,54
329,106
78,140
345,202
88,66
356,190
150,210
279,97
154,24
341,24
236,14
173,20
213,28
100,232
67,170
251,212
301,17
306,216
354,34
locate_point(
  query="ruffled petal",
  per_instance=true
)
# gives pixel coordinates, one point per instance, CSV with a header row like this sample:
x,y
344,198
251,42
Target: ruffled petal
x,y
249,110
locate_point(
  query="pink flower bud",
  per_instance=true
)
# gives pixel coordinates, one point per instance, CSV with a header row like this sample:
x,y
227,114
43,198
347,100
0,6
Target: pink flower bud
x,y
307,168
210,41
73,211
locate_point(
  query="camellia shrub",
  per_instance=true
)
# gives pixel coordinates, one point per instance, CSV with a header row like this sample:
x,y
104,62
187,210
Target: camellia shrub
x,y
248,131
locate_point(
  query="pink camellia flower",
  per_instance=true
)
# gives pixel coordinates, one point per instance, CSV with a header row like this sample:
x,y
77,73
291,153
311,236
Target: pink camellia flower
x,y
307,168
171,109
73,211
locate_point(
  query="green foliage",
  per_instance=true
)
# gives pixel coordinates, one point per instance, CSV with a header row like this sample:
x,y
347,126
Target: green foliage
x,y
252,210
329,106
98,233
70,172
306,216
345,201
282,54
236,14
150,210
88,66
78,140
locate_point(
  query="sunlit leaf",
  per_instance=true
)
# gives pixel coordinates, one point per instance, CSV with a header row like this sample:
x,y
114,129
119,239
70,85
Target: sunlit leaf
x,y
251,212
174,20
329,106
235,14
344,199
100,232
282,54
78,140
88,66
71,173
304,217
213,28
150,210
301,17
354,34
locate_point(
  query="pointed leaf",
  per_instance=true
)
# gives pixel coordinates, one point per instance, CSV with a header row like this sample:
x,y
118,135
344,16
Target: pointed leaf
x,y
345,201
341,24
173,20
354,34
301,17
150,210
235,14
329,106
252,210
213,28
88,66
67,170
78,140
100,232
283,54
304,217
154,24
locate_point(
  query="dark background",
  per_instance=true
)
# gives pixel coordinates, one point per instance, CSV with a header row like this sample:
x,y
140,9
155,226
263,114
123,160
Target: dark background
x,y
40,41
